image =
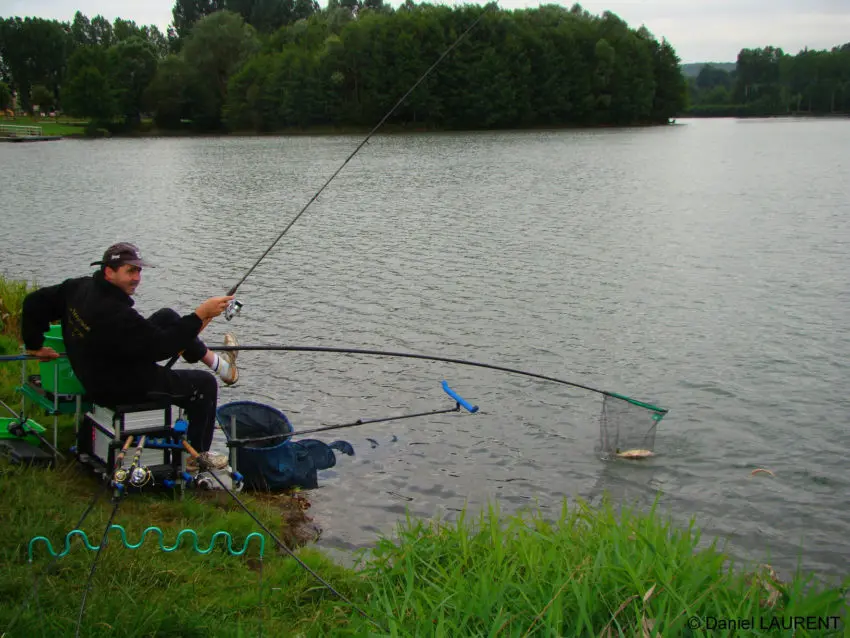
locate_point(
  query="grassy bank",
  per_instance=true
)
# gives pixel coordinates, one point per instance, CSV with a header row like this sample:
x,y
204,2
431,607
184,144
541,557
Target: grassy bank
x,y
592,572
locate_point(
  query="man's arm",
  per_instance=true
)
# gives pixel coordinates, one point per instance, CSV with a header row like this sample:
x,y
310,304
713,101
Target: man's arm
x,y
40,307
131,335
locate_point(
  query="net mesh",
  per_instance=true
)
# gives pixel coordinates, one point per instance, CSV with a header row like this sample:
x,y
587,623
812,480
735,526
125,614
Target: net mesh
x,y
627,426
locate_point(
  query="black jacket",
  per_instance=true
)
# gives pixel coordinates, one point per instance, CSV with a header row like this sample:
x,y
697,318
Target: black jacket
x,y
112,349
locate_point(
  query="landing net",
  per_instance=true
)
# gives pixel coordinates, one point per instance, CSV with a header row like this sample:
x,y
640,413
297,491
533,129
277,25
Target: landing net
x,y
627,427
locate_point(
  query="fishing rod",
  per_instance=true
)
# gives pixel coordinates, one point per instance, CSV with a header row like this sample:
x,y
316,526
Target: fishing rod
x,y
234,306
23,357
409,355
202,464
459,401
287,435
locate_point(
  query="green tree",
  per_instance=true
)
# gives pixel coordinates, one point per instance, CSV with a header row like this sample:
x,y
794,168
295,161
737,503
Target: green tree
x,y
132,66
88,91
81,31
5,96
217,46
89,95
266,16
42,97
34,51
157,40
167,96
101,32
671,90
186,13
711,76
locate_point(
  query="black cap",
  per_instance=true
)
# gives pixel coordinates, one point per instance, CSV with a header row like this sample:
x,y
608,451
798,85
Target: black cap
x,y
122,253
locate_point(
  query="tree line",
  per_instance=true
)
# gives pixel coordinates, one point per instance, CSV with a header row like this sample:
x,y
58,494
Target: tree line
x,y
768,81
267,65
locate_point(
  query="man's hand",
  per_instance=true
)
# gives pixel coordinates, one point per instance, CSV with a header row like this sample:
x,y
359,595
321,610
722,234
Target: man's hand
x,y
44,353
213,307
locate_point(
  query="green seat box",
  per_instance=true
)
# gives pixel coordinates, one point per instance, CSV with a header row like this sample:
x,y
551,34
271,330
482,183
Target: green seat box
x,y
68,382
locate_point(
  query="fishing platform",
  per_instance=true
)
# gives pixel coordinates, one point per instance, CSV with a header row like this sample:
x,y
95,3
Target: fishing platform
x,y
19,133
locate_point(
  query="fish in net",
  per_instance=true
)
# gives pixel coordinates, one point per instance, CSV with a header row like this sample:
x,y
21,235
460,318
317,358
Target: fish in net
x,y
627,427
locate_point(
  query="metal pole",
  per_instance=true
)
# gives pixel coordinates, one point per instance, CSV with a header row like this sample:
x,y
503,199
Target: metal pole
x,y
55,409
232,449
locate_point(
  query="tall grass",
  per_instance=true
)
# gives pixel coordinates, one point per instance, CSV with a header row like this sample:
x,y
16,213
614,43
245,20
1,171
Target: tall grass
x,y
592,572
12,295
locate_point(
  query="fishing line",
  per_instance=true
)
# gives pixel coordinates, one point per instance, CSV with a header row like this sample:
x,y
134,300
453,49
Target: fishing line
x,y
36,580
119,478
235,306
232,291
94,566
274,537
273,437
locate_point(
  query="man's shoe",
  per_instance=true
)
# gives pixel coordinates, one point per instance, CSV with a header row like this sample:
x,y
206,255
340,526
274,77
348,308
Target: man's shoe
x,y
230,356
210,460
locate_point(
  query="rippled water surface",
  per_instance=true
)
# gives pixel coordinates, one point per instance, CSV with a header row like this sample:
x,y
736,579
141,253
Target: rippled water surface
x,y
701,266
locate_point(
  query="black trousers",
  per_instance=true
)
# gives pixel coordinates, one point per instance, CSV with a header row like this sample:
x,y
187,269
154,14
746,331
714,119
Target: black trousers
x,y
196,391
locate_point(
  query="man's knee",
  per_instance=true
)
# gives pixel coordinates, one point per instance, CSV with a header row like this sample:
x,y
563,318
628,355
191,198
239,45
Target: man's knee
x,y
206,386
164,316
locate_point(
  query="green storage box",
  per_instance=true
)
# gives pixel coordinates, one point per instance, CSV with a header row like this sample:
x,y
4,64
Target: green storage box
x,y
68,382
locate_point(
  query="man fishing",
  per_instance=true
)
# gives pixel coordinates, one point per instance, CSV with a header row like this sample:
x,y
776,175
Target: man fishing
x,y
114,350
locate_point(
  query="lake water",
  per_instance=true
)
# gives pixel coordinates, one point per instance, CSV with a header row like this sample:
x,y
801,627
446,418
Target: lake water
x,y
701,266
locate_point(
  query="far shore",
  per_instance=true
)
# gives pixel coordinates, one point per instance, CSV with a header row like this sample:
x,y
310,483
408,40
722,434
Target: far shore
x,y
71,128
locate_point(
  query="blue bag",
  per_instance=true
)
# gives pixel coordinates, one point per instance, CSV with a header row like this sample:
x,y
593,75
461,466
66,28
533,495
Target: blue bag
x,y
277,463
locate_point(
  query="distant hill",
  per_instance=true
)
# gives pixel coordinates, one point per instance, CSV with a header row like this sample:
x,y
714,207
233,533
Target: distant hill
x,y
692,69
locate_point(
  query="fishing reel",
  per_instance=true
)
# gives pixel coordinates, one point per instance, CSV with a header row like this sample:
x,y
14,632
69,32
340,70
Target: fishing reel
x,y
119,477
233,309
140,476
16,428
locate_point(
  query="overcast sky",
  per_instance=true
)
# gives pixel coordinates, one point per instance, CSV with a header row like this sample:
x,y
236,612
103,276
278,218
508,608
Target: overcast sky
x,y
699,30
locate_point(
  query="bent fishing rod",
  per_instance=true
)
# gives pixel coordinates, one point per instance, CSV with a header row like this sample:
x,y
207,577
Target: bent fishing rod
x,y
410,355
